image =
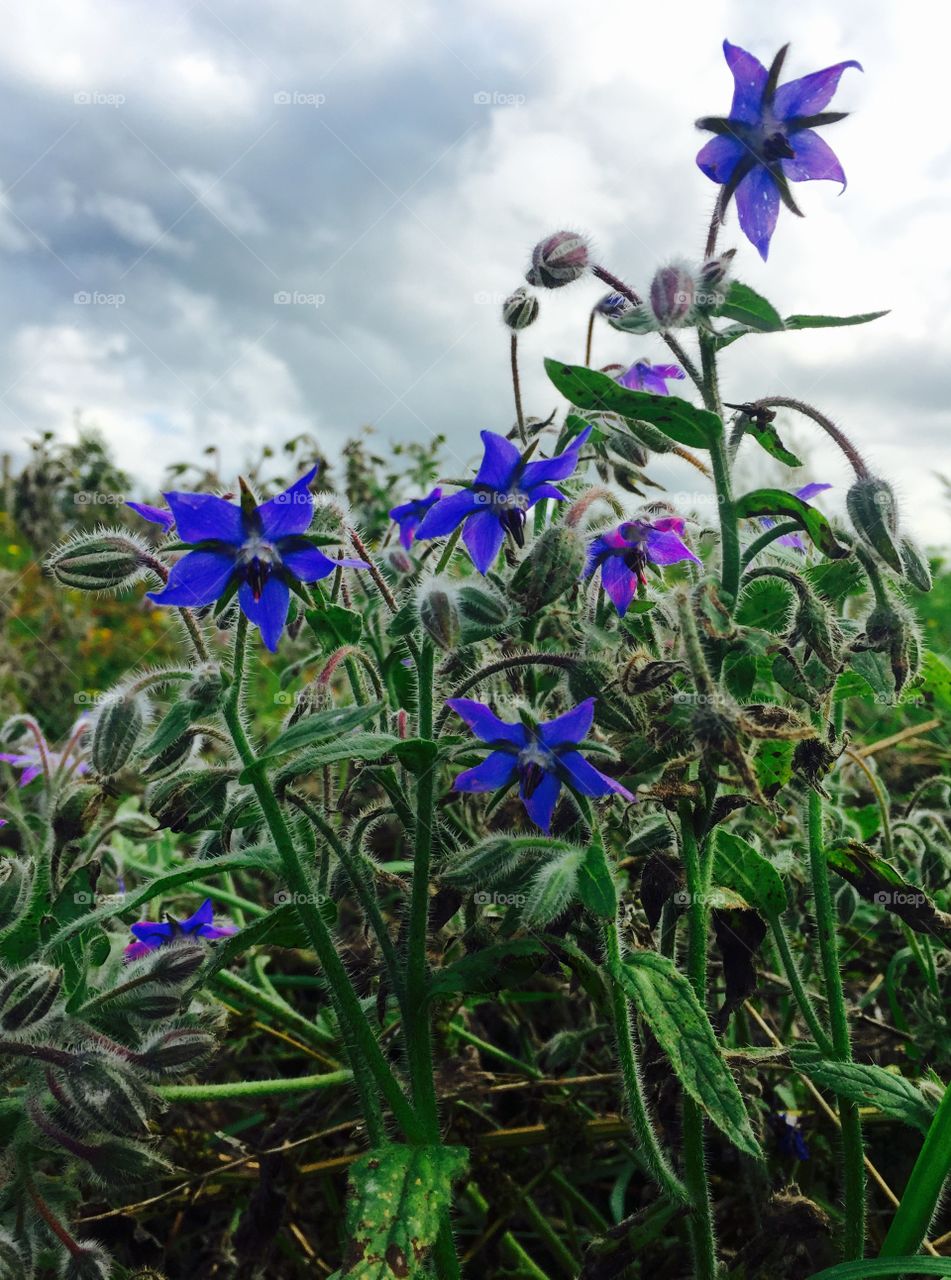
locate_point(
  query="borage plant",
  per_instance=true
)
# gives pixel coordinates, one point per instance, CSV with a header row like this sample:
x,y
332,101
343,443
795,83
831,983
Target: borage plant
x,y
671,703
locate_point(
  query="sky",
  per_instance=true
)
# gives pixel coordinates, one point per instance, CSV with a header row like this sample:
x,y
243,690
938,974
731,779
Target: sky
x,y
228,223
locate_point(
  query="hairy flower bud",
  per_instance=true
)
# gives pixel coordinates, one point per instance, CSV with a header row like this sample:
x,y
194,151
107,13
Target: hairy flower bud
x,y
873,511
176,963
627,447
102,1094
189,802
116,730
554,564
559,260
399,560
439,613
75,811
15,877
817,628
28,995
714,271
482,610
915,563
171,759
671,296
520,309
175,1052
207,687
613,305
107,560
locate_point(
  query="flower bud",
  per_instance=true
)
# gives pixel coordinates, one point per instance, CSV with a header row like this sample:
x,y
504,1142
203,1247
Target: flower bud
x,y
175,964
817,628
559,260
627,447
671,296
439,613
613,305
189,802
915,563
12,1261
28,995
874,513
15,877
789,676
520,309
175,1052
75,811
171,759
482,610
102,561
399,560
207,687
554,564
102,1094
714,271
116,729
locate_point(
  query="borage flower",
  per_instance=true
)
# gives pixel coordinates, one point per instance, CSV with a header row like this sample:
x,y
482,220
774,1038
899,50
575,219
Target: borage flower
x,y
37,756
409,515
260,551
793,539
150,935
504,488
541,757
644,376
624,554
769,139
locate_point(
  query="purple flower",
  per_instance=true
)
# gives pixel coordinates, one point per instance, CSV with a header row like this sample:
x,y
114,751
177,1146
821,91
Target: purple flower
x,y
258,550
150,935
154,515
644,376
38,756
793,539
769,139
624,554
541,757
504,488
411,513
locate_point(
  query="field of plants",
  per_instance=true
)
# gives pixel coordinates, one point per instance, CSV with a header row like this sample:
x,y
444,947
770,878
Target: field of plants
x,y
416,872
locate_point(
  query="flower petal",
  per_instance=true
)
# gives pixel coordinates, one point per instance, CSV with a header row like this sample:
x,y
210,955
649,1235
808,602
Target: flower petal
x,y
269,613
540,805
151,932
499,462
559,467
216,931
309,564
200,517
749,81
483,535
27,776
757,203
719,157
197,579
653,382
485,724
812,93
204,915
676,523
573,726
584,777
666,547
619,582
154,515
494,772
447,513
814,159
811,490
289,512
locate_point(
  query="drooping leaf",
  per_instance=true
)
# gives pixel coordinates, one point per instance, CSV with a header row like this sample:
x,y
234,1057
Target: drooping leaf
x,y
882,884
831,322
868,1085
750,309
172,725
777,502
322,724
667,1001
744,869
765,434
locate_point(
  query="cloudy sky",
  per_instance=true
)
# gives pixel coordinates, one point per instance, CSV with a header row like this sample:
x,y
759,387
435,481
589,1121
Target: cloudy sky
x,y
170,172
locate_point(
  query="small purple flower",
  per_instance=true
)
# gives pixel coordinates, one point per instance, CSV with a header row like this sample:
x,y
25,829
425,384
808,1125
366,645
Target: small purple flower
x,y
259,550
37,756
789,1136
613,305
624,554
793,539
769,139
150,935
542,758
504,488
409,515
644,376
154,515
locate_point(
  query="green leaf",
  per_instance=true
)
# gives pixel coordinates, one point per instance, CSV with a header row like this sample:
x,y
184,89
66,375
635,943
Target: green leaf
x,y
281,927
418,755
333,625
354,746
879,882
837,579
748,308
739,671
870,1268
765,603
777,502
492,969
323,724
868,1085
397,1199
681,1027
831,322
744,869
773,764
553,889
172,725
676,418
766,435
596,887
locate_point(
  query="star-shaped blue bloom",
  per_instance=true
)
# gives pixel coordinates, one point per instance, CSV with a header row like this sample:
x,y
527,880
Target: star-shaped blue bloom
x,y
259,550
409,515
505,487
624,553
769,139
644,376
542,758
151,934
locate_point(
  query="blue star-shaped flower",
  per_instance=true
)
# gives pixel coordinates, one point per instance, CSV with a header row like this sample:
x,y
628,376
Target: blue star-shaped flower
x,y
653,378
409,515
624,554
260,550
505,487
150,934
542,758
769,139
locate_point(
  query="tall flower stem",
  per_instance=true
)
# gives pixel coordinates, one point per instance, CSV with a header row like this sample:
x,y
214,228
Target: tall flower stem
x,y
722,478
517,389
852,1148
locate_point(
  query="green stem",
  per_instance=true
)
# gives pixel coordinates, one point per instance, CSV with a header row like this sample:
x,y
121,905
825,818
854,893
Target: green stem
x,y
923,1189
794,977
852,1149
763,541
515,1254
274,1006
447,551
252,1088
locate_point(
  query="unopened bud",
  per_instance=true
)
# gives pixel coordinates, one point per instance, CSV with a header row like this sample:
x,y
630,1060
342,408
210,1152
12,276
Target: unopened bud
x,y
613,305
554,564
207,687
399,560
873,511
171,759
189,802
102,561
671,295
711,281
15,878
175,964
28,995
75,810
482,610
915,563
559,260
175,1052
102,1094
118,724
817,628
627,447
439,613
789,676
520,309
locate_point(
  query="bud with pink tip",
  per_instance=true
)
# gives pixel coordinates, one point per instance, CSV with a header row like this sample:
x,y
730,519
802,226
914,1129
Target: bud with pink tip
x,y
559,260
672,296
